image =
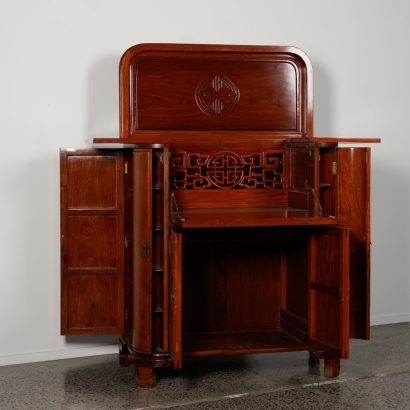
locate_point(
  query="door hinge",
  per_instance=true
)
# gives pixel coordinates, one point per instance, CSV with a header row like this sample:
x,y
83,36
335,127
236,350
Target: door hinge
x,y
126,314
334,167
161,158
126,241
365,157
126,168
172,301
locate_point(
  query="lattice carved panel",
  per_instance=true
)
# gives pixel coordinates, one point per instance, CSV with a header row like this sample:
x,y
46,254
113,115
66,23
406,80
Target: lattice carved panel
x,y
226,170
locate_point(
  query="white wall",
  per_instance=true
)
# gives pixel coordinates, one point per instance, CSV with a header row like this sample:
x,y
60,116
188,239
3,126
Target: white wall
x,y
59,87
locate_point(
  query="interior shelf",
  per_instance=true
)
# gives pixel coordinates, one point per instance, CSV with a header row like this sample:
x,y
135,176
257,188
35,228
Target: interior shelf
x,y
223,217
224,343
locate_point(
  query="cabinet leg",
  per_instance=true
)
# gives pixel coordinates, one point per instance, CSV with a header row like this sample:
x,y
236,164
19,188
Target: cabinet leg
x,y
123,353
332,366
148,377
332,363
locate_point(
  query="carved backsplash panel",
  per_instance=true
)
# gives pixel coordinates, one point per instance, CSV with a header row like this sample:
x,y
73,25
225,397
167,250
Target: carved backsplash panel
x,y
226,170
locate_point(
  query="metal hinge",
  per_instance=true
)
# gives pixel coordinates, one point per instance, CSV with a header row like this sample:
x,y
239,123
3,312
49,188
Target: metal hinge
x,y
126,314
126,241
172,301
126,168
365,157
161,158
334,167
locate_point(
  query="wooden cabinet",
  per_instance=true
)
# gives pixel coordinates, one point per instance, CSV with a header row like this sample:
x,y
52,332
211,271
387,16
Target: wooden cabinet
x,y
223,226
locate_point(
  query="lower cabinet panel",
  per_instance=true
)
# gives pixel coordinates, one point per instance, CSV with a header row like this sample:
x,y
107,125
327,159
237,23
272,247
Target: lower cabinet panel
x,y
92,301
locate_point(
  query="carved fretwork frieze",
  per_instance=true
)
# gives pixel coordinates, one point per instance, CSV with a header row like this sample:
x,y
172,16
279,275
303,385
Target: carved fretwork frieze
x,y
226,170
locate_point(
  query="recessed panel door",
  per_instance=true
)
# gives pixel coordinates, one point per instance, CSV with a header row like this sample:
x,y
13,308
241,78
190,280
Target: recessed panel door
x,y
92,241
328,324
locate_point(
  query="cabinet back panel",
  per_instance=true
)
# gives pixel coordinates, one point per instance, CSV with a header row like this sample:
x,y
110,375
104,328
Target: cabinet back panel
x,y
230,286
253,271
296,278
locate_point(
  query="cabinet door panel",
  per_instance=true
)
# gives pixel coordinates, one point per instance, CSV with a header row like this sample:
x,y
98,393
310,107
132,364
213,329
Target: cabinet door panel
x,y
92,241
176,297
329,291
353,212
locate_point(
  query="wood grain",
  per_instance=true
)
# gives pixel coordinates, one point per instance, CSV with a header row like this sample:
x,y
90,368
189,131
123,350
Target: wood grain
x,y
92,241
176,298
142,234
353,211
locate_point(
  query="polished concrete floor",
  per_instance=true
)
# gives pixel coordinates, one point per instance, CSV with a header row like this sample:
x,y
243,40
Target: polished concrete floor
x,y
377,376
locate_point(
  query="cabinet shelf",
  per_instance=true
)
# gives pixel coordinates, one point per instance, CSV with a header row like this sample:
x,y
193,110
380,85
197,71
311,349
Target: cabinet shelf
x,y
207,344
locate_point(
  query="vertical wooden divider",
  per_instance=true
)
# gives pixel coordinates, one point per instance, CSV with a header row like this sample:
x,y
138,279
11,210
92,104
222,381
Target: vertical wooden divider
x,y
142,241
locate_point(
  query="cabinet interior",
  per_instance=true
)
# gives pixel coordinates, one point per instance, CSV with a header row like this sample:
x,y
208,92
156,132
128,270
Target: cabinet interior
x,y
244,289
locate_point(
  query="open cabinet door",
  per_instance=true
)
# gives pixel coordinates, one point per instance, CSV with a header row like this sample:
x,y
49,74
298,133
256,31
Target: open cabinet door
x,y
92,241
329,291
353,212
176,297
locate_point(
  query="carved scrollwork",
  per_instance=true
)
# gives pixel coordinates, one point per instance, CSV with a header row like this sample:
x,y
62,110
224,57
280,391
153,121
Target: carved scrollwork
x,y
226,170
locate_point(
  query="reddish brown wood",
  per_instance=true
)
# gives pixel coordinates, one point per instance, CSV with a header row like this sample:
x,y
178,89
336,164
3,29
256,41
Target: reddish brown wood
x,y
147,377
253,286
232,198
329,291
229,129
332,366
332,363
230,217
165,207
142,251
327,182
348,140
353,212
129,224
176,297
208,344
181,71
92,242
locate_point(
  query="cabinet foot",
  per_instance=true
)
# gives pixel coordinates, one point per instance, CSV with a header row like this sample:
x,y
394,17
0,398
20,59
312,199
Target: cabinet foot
x,y
332,366
332,363
147,377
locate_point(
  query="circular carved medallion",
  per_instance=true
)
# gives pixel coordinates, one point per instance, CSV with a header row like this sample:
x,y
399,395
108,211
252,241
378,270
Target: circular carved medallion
x,y
216,95
225,169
